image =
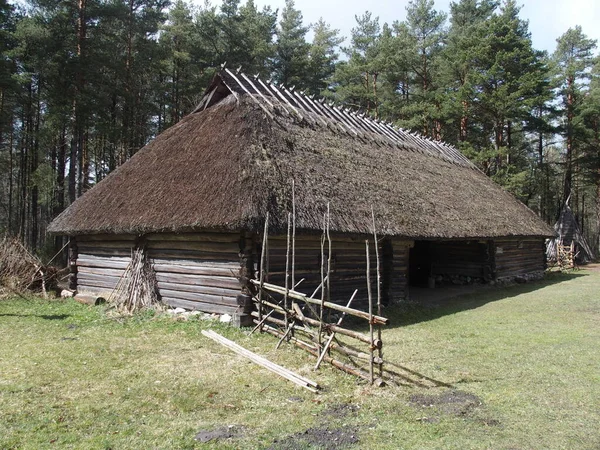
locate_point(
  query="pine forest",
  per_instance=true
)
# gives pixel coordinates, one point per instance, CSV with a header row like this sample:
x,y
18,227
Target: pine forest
x,y
84,84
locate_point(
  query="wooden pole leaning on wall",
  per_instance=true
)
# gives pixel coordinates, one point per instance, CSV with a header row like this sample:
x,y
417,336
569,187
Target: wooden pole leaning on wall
x,y
379,350
293,234
263,259
322,303
287,270
370,295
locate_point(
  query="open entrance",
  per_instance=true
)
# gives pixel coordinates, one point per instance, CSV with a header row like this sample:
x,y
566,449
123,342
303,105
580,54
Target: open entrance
x,y
443,263
419,264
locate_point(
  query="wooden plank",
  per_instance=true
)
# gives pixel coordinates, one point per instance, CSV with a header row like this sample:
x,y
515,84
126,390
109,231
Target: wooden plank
x,y
89,276
263,362
100,271
90,257
190,254
99,291
204,298
84,284
197,280
105,237
203,237
107,244
212,308
94,251
103,263
232,248
163,287
231,270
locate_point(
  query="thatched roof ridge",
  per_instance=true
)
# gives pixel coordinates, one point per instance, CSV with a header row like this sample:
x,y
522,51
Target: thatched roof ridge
x,y
279,100
227,165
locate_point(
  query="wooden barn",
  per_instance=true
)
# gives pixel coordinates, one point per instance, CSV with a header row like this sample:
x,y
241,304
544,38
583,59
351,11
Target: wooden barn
x,y
196,199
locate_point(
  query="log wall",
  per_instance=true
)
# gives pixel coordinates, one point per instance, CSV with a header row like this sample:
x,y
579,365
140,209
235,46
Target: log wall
x,y
348,267
101,261
519,256
198,271
399,271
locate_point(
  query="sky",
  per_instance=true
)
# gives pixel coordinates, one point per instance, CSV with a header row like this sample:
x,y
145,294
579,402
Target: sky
x,y
548,19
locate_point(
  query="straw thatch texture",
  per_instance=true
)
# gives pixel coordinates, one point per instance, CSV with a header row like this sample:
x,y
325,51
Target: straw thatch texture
x,y
225,167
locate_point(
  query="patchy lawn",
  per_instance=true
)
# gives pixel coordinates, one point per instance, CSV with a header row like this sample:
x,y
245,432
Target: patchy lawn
x,y
517,367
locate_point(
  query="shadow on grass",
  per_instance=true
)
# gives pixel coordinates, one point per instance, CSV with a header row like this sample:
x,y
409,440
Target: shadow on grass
x,y
413,312
403,376
41,316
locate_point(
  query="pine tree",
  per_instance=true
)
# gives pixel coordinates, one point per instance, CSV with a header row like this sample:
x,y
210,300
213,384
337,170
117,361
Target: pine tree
x,y
323,56
574,59
291,62
356,80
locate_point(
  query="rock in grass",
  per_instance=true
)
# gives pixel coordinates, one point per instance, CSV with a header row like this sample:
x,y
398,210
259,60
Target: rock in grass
x,y
225,318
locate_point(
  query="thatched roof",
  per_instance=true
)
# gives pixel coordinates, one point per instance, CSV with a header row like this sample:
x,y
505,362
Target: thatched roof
x,y
233,160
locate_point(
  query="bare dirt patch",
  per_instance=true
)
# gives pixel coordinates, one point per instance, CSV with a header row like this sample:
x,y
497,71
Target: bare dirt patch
x,y
454,402
340,411
319,437
219,434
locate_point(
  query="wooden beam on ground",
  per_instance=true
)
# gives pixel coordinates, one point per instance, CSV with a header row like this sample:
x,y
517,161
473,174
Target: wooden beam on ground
x,y
275,368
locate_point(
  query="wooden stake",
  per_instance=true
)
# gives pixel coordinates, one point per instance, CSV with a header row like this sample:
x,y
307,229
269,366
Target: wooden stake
x,y
322,282
328,278
262,266
312,350
339,322
294,234
287,270
379,351
370,310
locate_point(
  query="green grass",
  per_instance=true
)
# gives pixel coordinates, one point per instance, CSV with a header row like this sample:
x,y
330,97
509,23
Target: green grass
x,y
72,377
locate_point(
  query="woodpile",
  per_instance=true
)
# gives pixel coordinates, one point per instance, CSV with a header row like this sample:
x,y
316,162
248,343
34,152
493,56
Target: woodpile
x,y
21,271
137,288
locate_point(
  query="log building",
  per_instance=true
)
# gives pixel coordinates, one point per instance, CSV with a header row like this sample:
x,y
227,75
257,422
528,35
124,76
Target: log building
x,y
196,199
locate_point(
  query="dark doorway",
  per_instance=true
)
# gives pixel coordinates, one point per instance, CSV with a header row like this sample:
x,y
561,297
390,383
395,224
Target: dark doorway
x,y
419,264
